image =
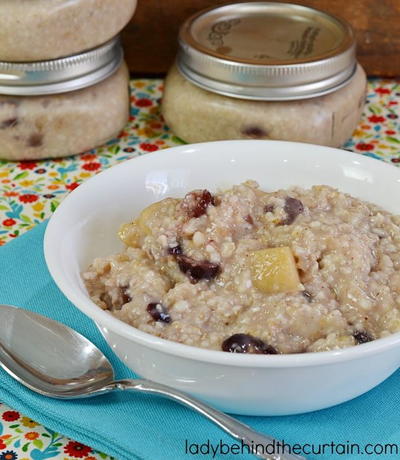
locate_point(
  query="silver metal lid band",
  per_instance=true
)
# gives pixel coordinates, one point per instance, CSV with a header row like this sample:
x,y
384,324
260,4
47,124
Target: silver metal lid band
x,y
61,75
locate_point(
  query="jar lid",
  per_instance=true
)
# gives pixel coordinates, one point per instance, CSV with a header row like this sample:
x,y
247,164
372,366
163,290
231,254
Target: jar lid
x,y
61,75
267,51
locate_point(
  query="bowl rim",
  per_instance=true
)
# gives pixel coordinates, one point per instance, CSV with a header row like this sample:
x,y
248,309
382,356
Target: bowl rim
x,y
106,322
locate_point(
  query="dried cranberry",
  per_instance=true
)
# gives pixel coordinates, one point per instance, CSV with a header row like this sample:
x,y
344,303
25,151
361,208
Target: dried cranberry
x,y
244,343
35,140
197,202
9,123
269,208
175,250
255,132
249,219
197,270
293,207
308,295
106,298
125,295
362,337
158,312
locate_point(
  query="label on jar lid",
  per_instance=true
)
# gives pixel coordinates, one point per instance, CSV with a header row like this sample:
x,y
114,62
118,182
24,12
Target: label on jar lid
x,y
266,50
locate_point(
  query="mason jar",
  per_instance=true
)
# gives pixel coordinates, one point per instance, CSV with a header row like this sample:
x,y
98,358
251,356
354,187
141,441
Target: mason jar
x,y
35,30
265,70
64,106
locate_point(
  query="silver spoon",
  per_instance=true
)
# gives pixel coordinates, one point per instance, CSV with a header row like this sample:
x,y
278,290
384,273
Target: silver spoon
x,y
61,363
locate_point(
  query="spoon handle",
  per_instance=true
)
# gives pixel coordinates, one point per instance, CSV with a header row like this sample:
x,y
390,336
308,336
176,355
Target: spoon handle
x,y
255,441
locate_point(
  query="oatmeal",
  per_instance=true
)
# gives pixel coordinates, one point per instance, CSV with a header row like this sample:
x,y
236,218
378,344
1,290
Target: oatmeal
x,y
34,30
248,271
197,115
56,125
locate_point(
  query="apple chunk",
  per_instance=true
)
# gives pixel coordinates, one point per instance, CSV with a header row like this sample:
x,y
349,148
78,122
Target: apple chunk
x,y
155,213
133,233
130,234
274,270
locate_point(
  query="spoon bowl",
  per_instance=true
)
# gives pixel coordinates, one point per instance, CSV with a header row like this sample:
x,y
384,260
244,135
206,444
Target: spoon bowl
x,y
61,363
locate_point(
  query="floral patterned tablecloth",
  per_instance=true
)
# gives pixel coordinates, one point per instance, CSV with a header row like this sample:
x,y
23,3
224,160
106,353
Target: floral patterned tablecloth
x,y
31,191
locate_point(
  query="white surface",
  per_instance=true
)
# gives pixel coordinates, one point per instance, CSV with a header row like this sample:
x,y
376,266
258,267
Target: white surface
x,y
85,226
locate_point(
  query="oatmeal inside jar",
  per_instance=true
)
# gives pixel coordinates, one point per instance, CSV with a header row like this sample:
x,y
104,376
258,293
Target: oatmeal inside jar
x,y
56,125
249,271
35,30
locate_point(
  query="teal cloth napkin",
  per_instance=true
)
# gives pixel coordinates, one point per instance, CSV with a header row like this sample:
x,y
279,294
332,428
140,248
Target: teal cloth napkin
x,y
131,426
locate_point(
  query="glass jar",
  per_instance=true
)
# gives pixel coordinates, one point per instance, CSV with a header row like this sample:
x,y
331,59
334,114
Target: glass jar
x,y
65,106
35,30
265,71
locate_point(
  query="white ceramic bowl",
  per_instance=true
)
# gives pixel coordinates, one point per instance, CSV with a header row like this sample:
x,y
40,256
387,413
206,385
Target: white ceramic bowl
x,y
85,226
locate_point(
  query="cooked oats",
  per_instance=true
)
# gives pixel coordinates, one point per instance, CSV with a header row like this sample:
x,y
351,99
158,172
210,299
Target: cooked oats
x,y
204,263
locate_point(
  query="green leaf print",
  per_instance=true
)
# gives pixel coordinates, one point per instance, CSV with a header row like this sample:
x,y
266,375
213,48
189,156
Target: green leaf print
x,y
21,175
54,205
38,443
375,109
392,139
